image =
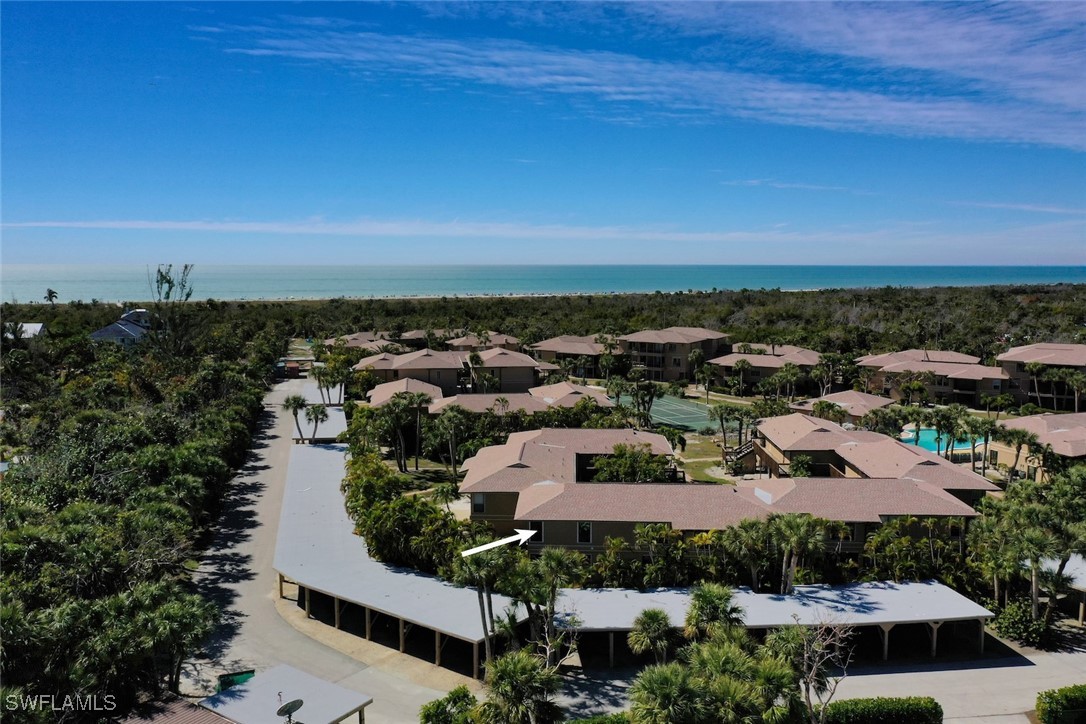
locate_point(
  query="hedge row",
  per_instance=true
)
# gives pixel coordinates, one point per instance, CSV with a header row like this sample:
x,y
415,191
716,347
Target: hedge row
x,y
1062,706
885,710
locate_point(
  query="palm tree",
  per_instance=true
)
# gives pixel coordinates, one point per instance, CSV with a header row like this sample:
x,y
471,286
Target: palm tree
x,y
481,571
919,417
520,690
798,535
394,416
475,365
740,367
666,694
1035,369
51,296
984,427
445,494
1018,439
747,542
316,415
831,411
712,609
652,631
320,376
789,376
704,376
451,424
417,401
295,404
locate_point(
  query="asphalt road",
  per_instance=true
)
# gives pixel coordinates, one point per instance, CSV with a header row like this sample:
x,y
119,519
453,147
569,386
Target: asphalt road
x,y
236,572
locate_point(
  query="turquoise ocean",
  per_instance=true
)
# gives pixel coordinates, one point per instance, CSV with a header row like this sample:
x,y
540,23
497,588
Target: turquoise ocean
x,y
119,283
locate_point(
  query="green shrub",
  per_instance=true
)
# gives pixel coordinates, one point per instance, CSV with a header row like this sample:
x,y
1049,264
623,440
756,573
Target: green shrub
x,y
1062,706
620,718
456,707
885,710
1016,622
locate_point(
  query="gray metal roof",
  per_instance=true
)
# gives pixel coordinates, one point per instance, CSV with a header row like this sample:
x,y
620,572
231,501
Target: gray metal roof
x,y
1075,570
317,547
861,604
312,394
256,700
327,430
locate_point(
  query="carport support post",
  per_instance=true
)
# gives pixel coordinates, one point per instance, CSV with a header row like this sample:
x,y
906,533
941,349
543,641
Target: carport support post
x,y
369,624
884,629
437,648
475,660
336,603
1082,609
308,598
611,648
280,585
981,621
933,632
403,637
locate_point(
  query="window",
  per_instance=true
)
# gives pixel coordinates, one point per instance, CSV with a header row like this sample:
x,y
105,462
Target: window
x,y
997,385
536,525
584,532
1031,472
993,457
676,362
478,502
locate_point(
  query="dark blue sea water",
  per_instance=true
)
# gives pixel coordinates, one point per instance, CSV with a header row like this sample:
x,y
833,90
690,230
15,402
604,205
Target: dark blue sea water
x,y
115,283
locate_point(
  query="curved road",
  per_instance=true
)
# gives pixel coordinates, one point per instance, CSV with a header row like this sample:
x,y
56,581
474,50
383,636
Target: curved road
x,y
236,572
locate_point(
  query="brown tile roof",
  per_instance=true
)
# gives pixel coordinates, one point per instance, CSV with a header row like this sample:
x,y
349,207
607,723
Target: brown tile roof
x,y
356,339
685,506
472,340
567,394
673,335
572,344
693,506
175,710
804,358
382,393
1049,353
951,370
423,359
799,433
854,403
871,454
499,358
479,403
550,454
857,500
1066,434
421,333
916,355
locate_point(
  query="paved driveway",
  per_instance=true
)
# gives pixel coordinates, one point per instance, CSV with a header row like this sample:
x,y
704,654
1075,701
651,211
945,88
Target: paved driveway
x,y
236,572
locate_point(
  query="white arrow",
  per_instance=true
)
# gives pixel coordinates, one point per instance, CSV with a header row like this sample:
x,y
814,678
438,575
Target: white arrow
x,y
521,537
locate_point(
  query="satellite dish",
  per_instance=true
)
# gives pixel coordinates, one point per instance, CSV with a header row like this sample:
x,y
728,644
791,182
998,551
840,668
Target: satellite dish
x,y
288,709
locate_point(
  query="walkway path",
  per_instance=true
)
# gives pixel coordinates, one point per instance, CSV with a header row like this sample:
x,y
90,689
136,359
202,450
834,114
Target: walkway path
x,y
236,573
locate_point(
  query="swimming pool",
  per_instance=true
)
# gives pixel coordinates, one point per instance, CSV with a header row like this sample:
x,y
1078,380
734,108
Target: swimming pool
x,y
927,440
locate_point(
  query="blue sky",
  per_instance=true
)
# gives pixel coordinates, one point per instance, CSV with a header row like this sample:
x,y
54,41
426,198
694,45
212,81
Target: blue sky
x,y
813,133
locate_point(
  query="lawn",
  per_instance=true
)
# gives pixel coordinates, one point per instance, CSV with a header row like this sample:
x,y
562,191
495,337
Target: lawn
x,y
700,446
697,472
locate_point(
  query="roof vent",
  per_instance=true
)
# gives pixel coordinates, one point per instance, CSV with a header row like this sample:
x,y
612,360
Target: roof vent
x,y
764,496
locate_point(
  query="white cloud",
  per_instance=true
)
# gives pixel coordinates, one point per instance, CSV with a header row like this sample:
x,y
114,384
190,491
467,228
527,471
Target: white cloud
x,y
629,88
1035,208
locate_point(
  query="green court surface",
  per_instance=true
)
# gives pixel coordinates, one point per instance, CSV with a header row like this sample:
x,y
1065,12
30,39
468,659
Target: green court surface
x,y
683,414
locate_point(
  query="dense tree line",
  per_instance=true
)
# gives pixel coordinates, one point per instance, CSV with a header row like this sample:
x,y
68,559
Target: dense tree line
x,y
976,320
119,459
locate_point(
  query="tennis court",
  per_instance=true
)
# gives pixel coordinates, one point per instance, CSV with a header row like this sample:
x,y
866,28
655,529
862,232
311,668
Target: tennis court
x,y
682,414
